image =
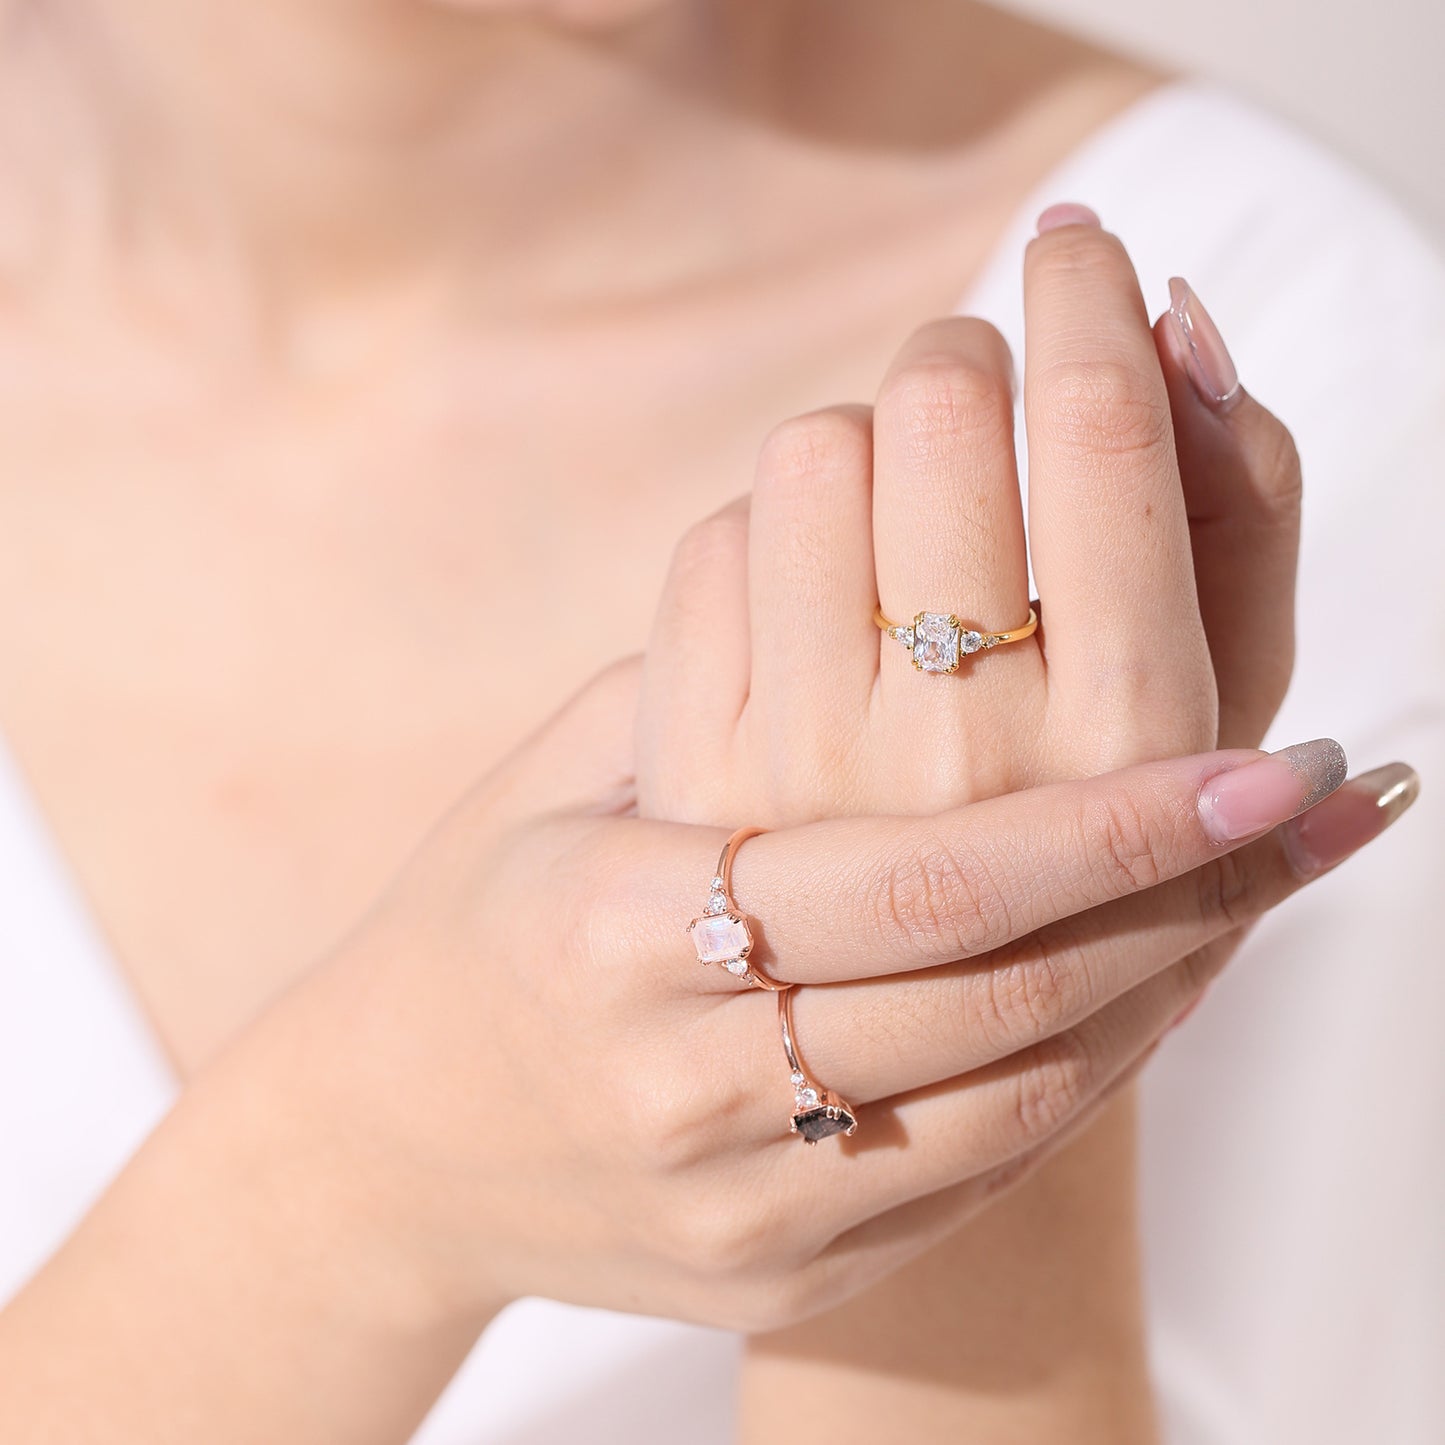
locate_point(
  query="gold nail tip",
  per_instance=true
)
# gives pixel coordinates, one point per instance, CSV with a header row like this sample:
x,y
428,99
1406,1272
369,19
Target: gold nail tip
x,y
1394,785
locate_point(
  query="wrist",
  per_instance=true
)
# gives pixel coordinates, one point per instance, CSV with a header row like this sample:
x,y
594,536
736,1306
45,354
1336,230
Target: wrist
x,y
310,1148
249,1268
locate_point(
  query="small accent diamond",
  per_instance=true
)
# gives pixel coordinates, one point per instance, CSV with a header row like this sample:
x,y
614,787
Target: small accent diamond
x,y
798,1077
737,966
717,883
970,641
717,903
806,1099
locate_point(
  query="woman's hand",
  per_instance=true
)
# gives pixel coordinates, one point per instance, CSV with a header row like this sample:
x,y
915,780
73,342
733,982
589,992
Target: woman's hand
x,y
1144,484
797,707
556,1100
515,1079
1142,480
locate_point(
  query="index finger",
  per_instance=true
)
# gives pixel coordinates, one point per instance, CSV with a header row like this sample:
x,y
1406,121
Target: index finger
x,y
861,897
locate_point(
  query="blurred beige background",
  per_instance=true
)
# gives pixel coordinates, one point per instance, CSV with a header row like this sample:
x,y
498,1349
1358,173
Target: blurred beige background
x,y
1363,75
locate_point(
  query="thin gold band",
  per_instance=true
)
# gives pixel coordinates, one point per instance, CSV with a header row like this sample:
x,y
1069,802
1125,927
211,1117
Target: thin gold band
x,y
990,639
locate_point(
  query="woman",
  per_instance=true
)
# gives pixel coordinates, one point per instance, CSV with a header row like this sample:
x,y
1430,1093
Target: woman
x,y
387,241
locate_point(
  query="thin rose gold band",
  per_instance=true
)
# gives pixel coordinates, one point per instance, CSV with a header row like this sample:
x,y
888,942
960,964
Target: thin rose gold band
x,y
721,934
722,921
818,1113
729,851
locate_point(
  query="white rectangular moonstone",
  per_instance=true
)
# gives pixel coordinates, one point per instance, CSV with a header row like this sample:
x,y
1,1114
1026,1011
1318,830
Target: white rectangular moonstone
x,y
719,937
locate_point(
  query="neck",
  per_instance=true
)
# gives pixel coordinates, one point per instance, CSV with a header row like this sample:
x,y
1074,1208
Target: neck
x,y
326,144
282,158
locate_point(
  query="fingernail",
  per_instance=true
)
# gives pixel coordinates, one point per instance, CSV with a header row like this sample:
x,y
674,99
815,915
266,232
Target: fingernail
x,y
1066,213
1343,824
1267,792
1206,357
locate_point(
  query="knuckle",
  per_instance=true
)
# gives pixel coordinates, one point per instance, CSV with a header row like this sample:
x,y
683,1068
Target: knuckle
x,y
1226,892
934,399
1009,1175
662,1122
733,1238
1196,971
1126,844
1106,407
660,1138
934,894
592,912
1035,994
716,541
1200,968
816,443
1053,1088
1279,466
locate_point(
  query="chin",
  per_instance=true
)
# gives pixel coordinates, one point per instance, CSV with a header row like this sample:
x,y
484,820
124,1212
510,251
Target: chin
x,y
583,14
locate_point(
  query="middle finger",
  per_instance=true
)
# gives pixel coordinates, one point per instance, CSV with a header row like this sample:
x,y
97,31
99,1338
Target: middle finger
x,y
1107,522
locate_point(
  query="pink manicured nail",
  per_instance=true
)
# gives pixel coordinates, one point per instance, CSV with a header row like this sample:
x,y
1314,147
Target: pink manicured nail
x,y
1344,823
1066,213
1206,358
1263,794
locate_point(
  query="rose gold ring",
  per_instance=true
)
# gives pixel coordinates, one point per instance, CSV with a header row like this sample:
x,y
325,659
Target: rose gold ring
x,y
720,933
817,1112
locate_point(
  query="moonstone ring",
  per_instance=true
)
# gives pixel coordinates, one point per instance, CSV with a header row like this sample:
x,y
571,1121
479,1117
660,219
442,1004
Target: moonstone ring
x,y
818,1113
939,641
720,933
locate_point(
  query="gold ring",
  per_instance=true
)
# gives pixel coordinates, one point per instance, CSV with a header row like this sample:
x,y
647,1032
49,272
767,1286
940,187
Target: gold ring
x,y
818,1113
720,933
939,641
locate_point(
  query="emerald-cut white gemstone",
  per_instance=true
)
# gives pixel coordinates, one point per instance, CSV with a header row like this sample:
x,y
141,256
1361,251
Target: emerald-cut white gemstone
x,y
935,642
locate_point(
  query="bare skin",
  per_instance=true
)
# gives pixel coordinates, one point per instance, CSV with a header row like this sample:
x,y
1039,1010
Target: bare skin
x,y
202,534
282,464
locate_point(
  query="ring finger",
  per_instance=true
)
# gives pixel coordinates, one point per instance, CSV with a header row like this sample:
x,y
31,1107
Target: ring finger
x,y
968,1127
948,531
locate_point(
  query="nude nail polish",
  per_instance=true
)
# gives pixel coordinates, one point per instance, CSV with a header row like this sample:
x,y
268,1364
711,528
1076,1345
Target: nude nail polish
x,y
1361,810
1262,794
1066,213
1206,358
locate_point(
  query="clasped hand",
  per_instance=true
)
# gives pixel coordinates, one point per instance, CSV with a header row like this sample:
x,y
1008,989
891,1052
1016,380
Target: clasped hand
x,y
998,888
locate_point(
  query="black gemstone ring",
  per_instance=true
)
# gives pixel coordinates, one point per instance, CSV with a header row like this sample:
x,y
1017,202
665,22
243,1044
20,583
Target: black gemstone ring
x,y
817,1112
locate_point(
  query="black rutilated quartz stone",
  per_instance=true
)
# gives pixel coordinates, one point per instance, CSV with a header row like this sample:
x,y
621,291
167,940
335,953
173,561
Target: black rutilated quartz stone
x,y
814,1124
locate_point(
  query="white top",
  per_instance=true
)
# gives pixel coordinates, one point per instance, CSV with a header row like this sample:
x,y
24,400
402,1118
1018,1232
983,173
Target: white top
x,y
1294,1184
